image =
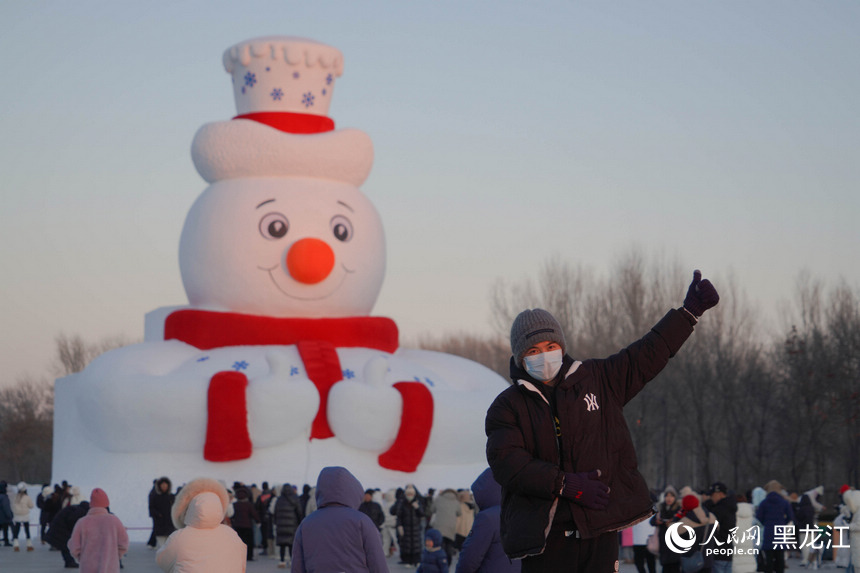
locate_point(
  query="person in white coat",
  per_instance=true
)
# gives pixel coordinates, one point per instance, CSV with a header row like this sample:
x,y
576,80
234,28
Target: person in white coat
x,y
744,560
841,536
22,504
851,498
389,529
201,544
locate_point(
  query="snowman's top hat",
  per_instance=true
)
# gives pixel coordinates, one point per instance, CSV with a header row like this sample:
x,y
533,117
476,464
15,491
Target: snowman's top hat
x,y
283,74
283,87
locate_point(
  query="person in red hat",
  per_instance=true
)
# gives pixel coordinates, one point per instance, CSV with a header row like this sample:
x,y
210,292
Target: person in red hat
x,y
99,539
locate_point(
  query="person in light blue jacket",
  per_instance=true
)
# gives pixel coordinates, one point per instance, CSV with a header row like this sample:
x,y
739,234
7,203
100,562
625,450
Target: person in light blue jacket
x,y
338,537
482,551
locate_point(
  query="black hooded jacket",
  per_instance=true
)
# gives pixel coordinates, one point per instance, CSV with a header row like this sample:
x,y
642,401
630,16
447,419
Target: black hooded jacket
x,y
529,461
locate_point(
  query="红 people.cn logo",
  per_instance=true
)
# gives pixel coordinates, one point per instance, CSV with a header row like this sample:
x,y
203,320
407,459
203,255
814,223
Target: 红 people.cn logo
x,y
678,543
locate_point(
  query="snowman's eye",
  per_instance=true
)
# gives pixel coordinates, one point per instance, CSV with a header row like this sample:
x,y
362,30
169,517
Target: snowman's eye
x,y
274,226
341,227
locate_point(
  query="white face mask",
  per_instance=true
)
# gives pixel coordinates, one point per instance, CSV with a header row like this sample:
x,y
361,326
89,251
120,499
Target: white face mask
x,y
543,366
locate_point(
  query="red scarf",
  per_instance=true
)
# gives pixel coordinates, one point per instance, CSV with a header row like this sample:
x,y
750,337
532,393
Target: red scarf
x,y
227,435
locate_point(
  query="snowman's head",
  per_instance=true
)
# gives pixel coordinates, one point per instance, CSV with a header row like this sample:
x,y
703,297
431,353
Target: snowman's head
x,y
299,247
283,229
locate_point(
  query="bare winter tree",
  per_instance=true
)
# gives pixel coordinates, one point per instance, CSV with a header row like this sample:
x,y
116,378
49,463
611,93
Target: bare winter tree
x,y
74,353
819,375
26,430
27,411
715,365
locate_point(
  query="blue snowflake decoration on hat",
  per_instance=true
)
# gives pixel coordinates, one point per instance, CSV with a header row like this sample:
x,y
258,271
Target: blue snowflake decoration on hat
x,y
277,94
240,365
329,79
296,75
308,99
324,91
250,79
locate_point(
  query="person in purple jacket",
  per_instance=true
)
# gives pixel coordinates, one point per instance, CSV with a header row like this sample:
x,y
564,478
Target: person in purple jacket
x,y
775,511
482,551
338,537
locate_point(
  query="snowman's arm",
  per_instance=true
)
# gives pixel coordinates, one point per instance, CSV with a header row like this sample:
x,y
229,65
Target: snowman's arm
x,y
409,421
126,404
148,358
457,435
462,392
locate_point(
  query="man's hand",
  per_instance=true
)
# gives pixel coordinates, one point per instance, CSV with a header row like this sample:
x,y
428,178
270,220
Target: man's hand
x,y
700,296
586,489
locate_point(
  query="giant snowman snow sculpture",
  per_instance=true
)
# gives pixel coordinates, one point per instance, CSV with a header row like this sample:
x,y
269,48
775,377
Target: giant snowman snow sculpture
x,y
275,369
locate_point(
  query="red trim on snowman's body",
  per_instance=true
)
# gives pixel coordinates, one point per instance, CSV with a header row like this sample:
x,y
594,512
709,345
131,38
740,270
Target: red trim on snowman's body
x,y
317,340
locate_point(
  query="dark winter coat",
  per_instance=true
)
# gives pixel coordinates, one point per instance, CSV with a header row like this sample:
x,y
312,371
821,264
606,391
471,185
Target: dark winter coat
x,y
304,498
772,511
725,512
805,514
244,512
374,511
524,453
266,520
49,505
667,515
409,518
338,537
60,530
433,560
160,504
288,515
5,506
482,551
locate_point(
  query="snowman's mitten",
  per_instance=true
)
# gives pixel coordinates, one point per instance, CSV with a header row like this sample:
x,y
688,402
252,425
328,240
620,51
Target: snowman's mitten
x,y
373,414
365,413
701,295
282,404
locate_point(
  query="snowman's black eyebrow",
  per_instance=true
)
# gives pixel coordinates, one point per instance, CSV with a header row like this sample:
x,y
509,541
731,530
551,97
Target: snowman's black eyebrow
x,y
263,203
347,206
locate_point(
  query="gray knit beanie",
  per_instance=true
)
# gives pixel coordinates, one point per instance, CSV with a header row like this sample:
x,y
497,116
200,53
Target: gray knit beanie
x,y
531,327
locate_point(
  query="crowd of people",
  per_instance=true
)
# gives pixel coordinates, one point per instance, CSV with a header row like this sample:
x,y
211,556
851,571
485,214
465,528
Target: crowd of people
x,y
746,532
424,530
337,522
209,526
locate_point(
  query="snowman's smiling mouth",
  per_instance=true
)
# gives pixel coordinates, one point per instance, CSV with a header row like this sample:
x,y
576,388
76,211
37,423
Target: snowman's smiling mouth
x,y
331,290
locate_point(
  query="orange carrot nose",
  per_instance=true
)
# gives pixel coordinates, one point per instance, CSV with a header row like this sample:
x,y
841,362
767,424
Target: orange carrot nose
x,y
310,261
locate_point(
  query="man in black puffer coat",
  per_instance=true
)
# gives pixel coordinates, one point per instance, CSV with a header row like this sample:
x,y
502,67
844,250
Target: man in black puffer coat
x,y
559,446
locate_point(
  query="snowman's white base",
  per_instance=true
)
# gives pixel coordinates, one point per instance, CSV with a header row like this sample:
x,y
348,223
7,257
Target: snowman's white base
x,y
127,477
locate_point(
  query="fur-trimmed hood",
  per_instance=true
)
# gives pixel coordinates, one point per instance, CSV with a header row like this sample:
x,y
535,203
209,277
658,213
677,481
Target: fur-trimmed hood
x,y
852,500
188,510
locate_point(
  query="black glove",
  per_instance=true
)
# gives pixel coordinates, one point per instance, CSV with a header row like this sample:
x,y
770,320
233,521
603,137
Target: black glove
x,y
700,296
586,489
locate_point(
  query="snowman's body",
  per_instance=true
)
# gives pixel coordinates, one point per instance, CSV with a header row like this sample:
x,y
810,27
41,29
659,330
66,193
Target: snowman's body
x,y
160,403
275,369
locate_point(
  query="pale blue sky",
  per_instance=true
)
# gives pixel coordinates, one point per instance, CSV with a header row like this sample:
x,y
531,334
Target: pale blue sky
x,y
723,134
